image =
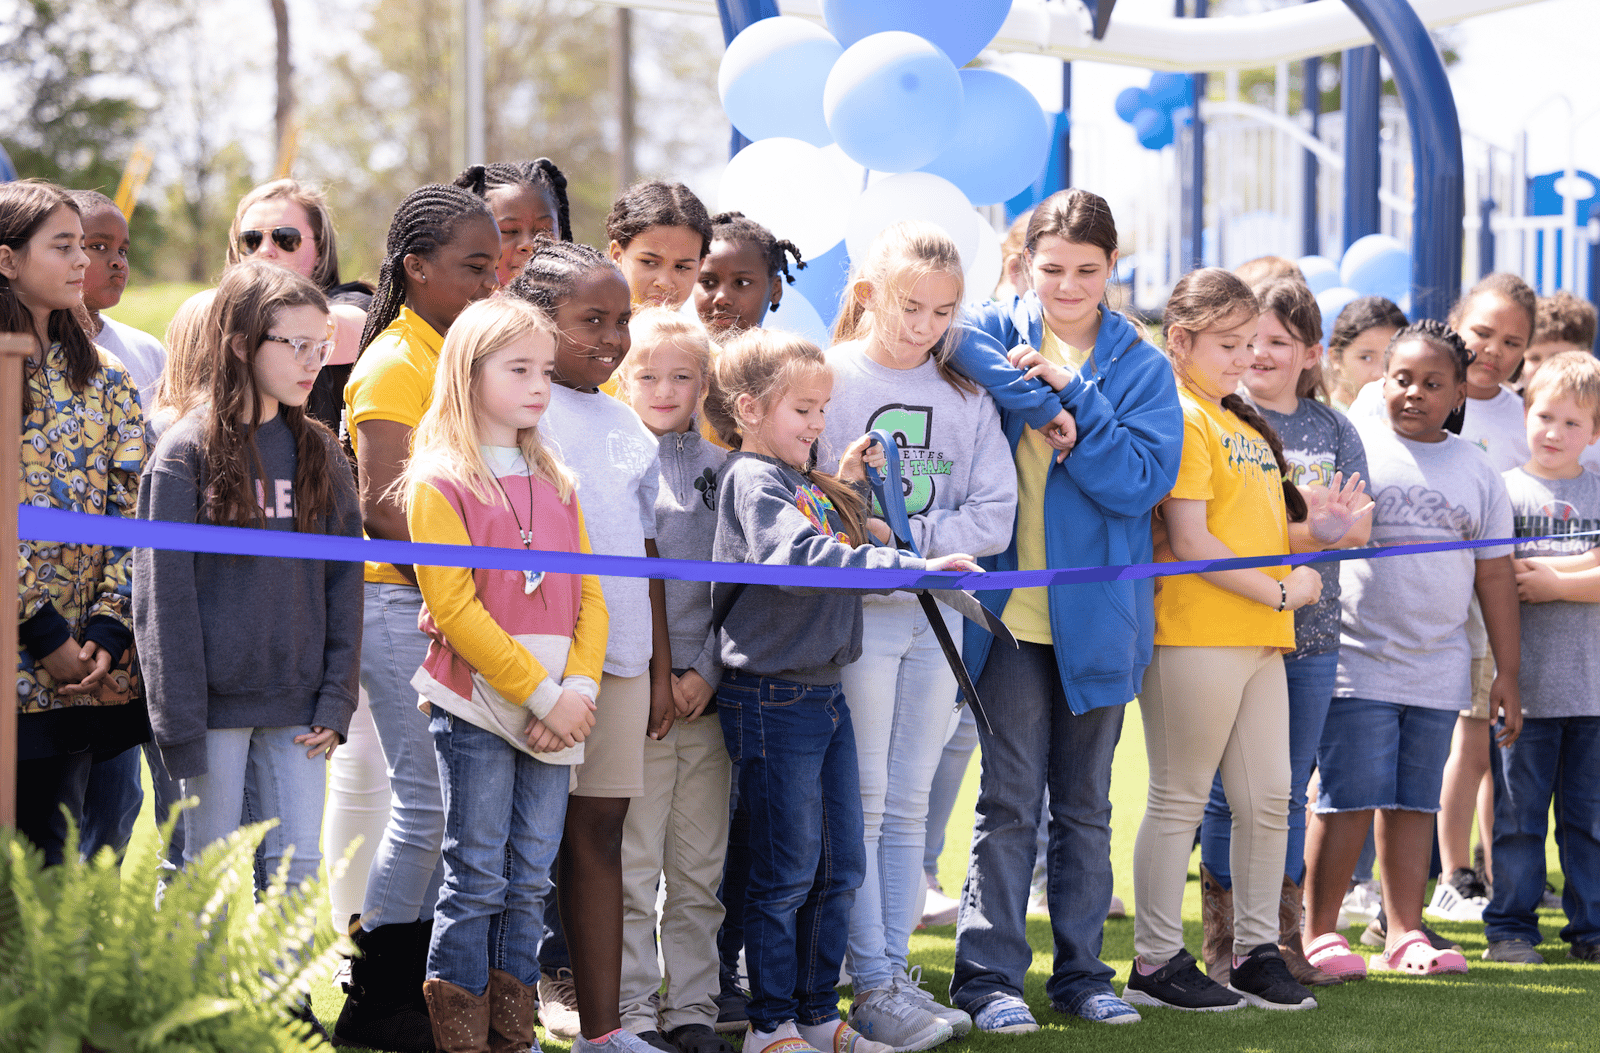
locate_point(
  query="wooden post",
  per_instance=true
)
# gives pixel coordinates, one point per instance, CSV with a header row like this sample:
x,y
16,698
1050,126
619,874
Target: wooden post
x,y
14,347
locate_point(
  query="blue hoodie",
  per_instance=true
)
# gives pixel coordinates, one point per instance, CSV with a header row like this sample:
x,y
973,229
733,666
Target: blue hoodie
x,y
1097,501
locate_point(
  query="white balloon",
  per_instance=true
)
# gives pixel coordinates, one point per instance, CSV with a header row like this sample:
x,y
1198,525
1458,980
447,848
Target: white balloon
x,y
984,272
912,195
795,314
794,189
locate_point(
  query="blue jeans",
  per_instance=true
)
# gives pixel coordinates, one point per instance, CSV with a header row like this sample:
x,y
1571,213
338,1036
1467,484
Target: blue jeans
x,y
1311,680
902,694
947,780
1035,741
1557,759
255,774
504,813
407,869
111,804
735,882
796,752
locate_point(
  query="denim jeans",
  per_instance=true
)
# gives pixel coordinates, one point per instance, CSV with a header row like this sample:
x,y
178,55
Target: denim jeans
x,y
946,787
44,785
1036,740
796,752
111,803
1311,681
407,869
504,812
1555,758
255,774
902,693
735,883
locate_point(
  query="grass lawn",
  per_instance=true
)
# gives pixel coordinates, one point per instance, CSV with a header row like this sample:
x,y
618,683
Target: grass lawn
x,y
1495,1007
150,307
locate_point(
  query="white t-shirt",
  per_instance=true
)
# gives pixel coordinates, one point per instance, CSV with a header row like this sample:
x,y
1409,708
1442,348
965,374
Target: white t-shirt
x,y
140,354
1403,619
618,464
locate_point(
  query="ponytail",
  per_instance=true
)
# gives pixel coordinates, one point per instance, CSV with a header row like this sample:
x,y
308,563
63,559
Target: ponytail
x,y
1294,502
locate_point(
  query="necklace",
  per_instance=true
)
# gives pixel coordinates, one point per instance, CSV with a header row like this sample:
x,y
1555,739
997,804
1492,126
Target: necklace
x,y
531,579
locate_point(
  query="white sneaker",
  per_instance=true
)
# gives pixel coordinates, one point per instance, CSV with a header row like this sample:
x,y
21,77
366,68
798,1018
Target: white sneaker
x,y
1361,904
939,909
558,1004
885,1015
784,1039
1460,897
909,987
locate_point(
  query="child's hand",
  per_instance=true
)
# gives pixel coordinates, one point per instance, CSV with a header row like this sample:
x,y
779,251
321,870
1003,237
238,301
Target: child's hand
x,y
1537,582
690,694
1331,512
570,719
1034,365
955,561
321,740
77,668
1505,700
663,710
1061,434
1303,586
880,531
863,451
542,740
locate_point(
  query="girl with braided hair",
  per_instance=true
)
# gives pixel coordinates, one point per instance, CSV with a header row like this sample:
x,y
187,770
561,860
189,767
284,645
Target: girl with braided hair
x,y
440,256
528,198
742,277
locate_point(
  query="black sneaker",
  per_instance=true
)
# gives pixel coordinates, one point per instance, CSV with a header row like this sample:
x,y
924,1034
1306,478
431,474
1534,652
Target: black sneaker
x,y
732,1015
1179,985
1585,952
1263,979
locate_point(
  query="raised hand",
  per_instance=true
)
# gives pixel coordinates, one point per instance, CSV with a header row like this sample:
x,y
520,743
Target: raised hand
x,y
1331,511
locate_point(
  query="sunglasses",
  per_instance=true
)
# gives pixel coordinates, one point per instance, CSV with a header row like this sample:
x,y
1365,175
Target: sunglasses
x,y
286,238
307,351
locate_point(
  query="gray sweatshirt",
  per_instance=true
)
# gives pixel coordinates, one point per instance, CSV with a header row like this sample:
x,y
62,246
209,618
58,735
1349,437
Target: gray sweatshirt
x,y
955,461
768,513
243,641
686,525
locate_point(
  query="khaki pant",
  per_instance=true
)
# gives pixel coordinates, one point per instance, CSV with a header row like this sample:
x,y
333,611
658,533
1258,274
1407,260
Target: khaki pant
x,y
677,833
1204,708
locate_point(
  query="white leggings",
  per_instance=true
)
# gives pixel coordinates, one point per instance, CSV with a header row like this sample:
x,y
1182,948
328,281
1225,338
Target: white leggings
x,y
358,806
1206,707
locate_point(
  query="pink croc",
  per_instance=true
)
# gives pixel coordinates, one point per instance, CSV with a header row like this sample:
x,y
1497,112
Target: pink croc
x,y
1415,955
1331,953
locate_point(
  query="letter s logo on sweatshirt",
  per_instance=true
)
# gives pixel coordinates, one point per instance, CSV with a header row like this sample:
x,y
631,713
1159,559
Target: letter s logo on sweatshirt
x,y
912,427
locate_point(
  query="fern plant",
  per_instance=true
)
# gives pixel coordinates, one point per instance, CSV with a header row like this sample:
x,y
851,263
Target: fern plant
x,y
97,957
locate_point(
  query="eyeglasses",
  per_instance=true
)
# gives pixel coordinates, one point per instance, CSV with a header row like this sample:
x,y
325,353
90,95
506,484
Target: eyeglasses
x,y
306,350
286,238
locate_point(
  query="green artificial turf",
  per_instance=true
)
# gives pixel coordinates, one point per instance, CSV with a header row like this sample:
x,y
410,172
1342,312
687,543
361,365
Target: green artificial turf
x,y
1494,1008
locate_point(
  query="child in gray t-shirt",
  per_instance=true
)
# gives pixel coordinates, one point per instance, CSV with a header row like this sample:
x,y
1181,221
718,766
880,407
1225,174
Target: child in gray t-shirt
x,y
1556,505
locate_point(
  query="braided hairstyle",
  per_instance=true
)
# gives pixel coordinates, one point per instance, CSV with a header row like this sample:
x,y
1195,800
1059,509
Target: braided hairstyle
x,y
553,270
423,224
658,204
1440,337
736,227
540,173
1212,297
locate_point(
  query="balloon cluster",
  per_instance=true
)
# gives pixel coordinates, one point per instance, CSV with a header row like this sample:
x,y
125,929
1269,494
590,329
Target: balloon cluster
x,y
872,121
1376,265
1159,110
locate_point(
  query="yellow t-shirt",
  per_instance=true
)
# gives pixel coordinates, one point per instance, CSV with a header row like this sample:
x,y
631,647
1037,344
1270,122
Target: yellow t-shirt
x,y
1227,464
393,380
1027,612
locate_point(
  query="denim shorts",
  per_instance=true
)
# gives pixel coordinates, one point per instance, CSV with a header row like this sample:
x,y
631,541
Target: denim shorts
x,y
1382,755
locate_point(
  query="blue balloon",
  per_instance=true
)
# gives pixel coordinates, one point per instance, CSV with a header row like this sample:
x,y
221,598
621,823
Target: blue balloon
x,y
1333,300
1320,273
1153,127
893,102
1002,143
1171,90
1182,117
1377,265
771,79
823,281
960,28
1131,100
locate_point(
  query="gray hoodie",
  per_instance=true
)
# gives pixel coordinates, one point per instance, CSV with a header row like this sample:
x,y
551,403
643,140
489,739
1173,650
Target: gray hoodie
x,y
768,513
243,641
686,524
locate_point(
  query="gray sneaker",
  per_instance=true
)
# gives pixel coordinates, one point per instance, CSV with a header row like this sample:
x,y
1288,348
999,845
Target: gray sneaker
x,y
1517,952
909,987
558,1004
619,1042
884,1015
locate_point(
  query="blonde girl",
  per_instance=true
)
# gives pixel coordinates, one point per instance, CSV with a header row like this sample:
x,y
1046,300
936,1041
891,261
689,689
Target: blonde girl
x,y
769,394
512,670
676,834
1215,694
891,371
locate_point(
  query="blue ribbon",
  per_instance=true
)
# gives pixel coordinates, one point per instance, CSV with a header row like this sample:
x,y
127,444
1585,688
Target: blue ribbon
x,y
84,528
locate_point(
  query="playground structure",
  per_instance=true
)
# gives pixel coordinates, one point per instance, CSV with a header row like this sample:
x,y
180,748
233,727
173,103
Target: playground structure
x,y
1292,184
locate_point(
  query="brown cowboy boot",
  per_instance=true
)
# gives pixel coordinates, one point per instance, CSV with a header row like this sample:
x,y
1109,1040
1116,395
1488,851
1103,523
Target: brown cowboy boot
x,y
512,1014
1289,942
1216,915
460,1019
